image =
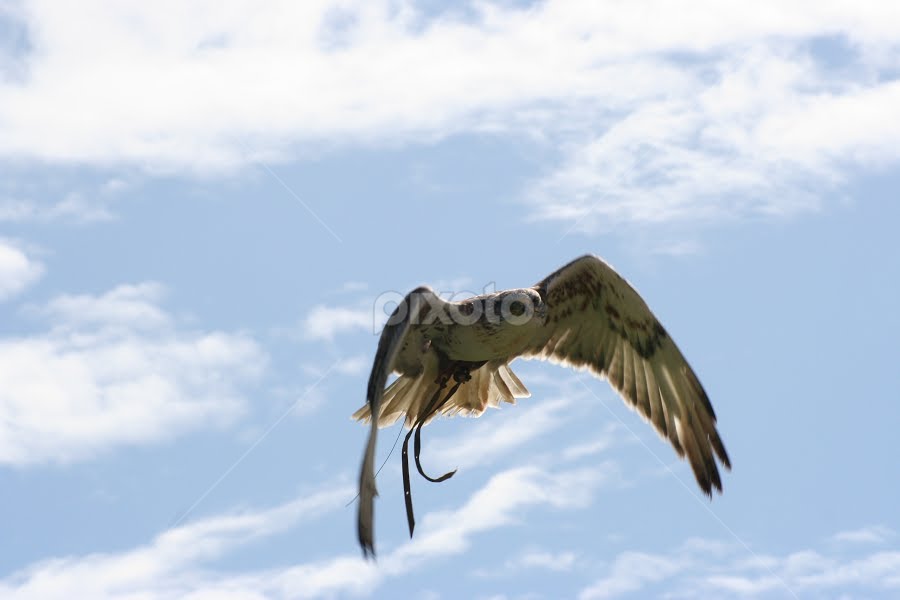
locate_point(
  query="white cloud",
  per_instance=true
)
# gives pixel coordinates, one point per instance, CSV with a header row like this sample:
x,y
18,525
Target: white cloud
x,y
764,132
115,369
171,565
195,85
499,503
59,198
132,306
73,208
708,568
807,570
611,434
324,322
177,562
561,561
875,534
353,365
631,571
488,439
17,270
180,562
878,570
695,116
308,401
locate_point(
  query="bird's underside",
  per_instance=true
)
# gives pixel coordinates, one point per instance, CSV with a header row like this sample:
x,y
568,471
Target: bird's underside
x,y
488,386
584,315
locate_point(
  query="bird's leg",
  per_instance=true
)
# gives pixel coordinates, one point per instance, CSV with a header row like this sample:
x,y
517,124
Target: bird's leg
x,y
446,370
462,372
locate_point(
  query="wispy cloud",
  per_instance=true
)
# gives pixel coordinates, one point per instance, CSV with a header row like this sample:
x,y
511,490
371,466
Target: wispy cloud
x,y
499,503
353,365
486,440
135,306
875,534
612,434
115,369
760,133
172,564
181,561
629,572
707,568
325,322
714,113
541,559
17,269
808,570
350,365
177,563
73,208
62,198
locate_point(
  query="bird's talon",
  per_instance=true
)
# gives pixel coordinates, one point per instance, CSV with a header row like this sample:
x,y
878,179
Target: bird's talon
x,y
462,375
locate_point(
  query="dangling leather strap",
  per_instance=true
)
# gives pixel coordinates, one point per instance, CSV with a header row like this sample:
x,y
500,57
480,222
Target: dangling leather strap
x,y
432,407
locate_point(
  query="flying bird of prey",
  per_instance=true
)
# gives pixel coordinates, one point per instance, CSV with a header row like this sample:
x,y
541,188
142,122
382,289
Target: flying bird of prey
x,y
584,315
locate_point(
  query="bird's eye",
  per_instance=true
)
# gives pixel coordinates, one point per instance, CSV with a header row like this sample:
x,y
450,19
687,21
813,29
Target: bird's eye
x,y
517,308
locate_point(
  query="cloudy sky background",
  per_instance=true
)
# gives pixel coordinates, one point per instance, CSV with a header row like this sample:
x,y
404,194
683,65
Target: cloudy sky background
x,y
203,205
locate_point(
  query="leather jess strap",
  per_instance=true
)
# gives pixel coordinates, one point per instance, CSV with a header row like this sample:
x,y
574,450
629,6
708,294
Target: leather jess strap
x,y
432,407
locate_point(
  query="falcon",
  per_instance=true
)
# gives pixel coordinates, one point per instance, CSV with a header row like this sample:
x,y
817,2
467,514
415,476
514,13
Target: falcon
x,y
584,315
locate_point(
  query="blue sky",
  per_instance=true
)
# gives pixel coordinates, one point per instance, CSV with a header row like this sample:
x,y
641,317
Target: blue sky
x,y
202,206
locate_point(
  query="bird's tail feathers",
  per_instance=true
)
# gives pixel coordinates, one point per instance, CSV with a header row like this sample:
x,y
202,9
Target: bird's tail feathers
x,y
405,397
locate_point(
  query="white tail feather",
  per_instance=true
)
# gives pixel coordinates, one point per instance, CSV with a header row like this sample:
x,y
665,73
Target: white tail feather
x,y
490,385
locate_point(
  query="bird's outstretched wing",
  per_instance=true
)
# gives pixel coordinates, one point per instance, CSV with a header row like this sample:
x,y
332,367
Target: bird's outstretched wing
x,y
596,320
392,337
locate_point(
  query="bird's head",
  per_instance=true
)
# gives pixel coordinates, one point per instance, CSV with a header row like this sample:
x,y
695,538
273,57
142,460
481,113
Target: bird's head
x,y
520,306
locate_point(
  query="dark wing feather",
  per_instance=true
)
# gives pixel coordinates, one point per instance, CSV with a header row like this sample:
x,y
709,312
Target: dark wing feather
x,y
596,320
389,345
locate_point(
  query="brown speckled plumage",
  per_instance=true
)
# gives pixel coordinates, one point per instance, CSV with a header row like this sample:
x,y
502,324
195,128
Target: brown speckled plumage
x,y
584,315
